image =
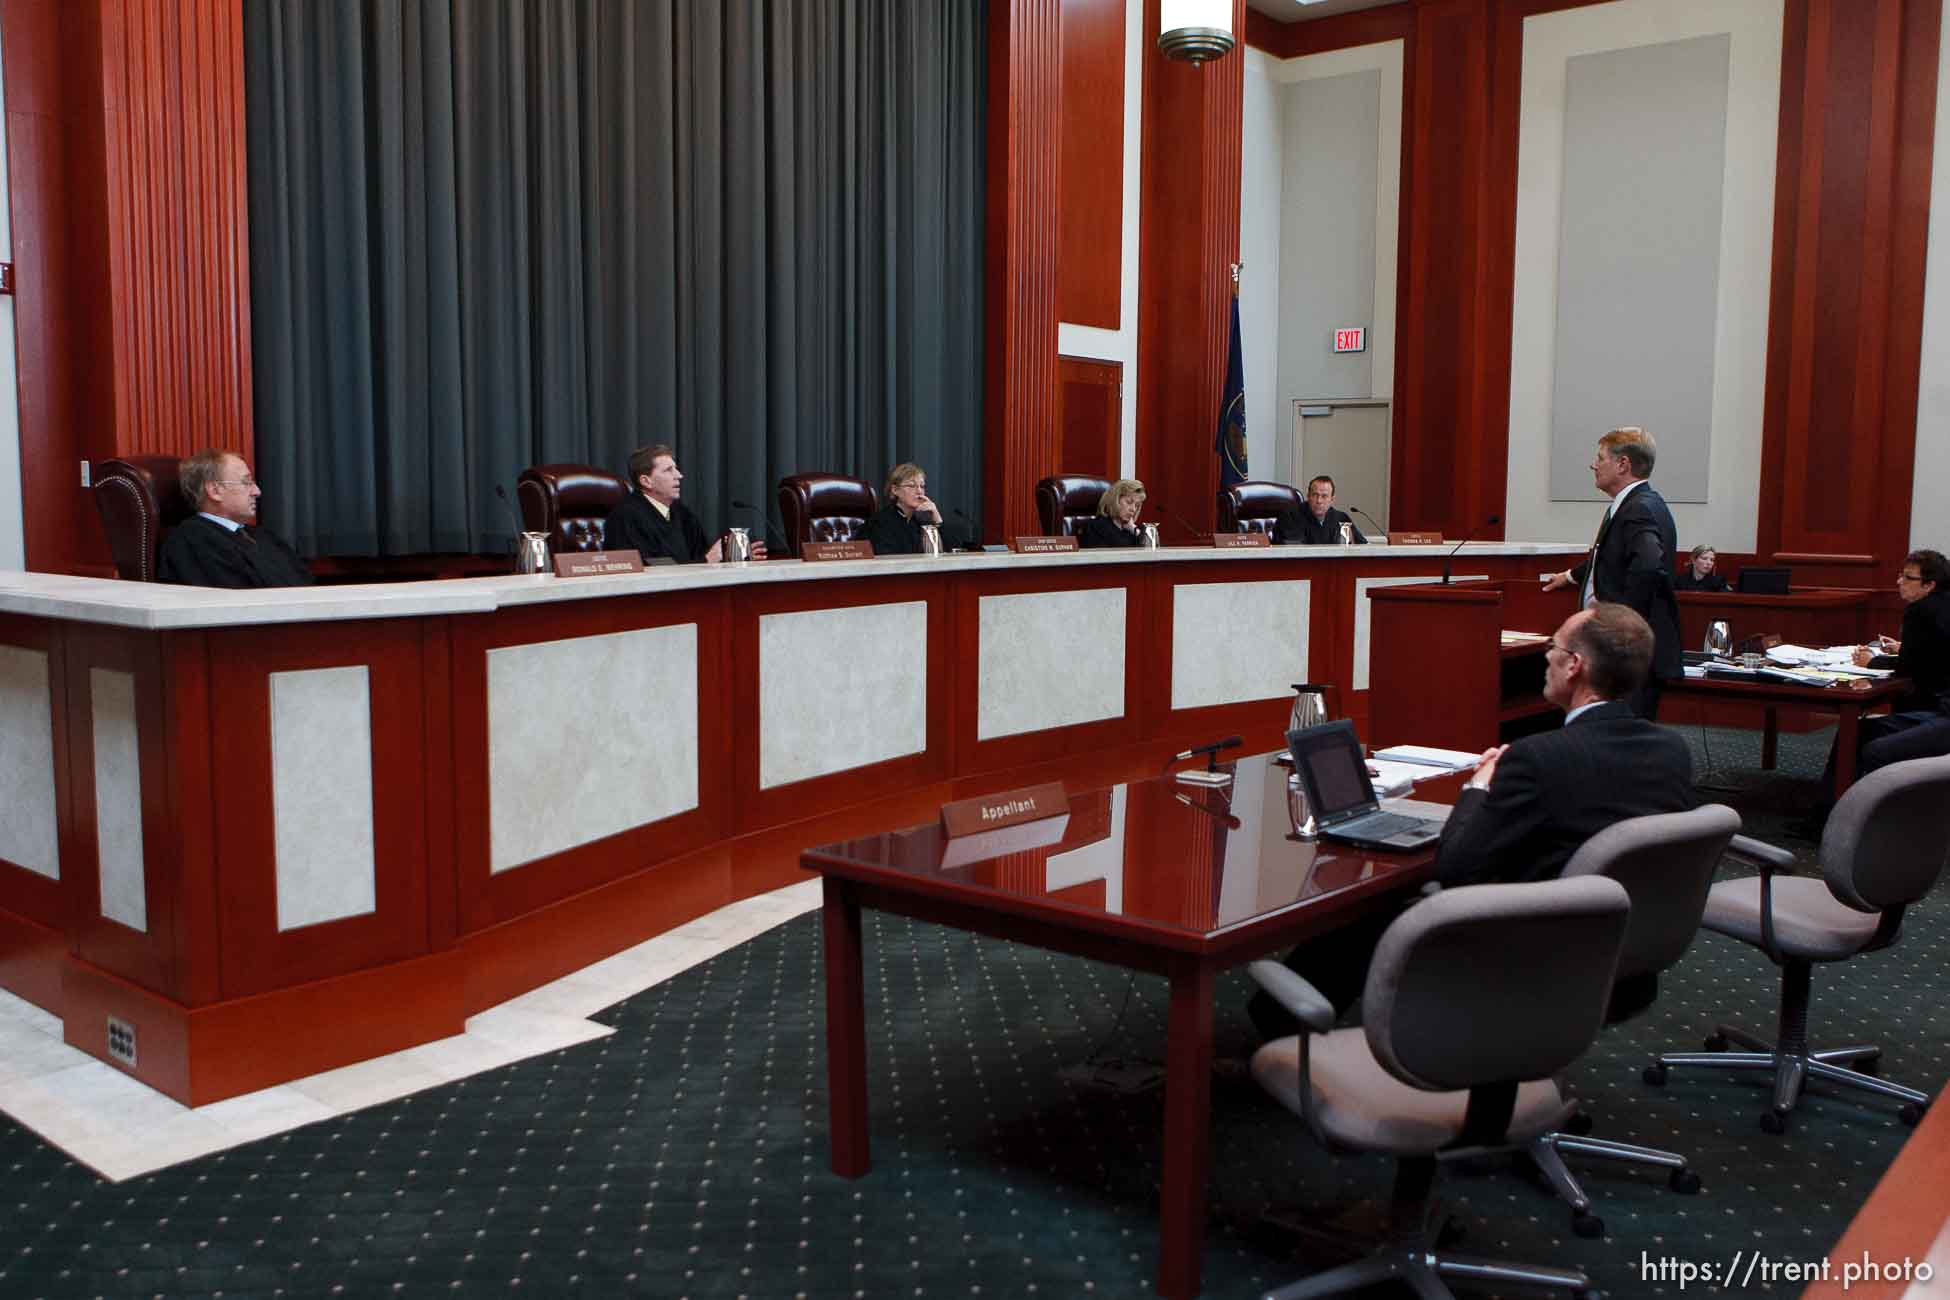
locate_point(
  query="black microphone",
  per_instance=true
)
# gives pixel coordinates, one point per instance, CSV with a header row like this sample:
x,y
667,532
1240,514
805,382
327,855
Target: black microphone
x,y
1357,510
974,542
1493,519
513,518
1210,751
1185,523
772,528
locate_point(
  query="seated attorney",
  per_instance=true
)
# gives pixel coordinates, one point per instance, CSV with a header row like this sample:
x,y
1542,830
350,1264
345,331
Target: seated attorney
x,y
895,528
1698,574
218,545
1532,803
1317,523
1116,520
1918,724
653,522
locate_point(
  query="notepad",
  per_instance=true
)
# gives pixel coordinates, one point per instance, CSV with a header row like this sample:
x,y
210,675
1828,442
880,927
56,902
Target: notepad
x,y
1449,760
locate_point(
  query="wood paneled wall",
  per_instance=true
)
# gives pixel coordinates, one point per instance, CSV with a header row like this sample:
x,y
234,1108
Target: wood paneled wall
x,y
1090,236
1858,97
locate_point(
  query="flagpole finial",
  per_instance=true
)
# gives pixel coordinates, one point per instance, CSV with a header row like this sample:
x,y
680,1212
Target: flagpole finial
x,y
1237,267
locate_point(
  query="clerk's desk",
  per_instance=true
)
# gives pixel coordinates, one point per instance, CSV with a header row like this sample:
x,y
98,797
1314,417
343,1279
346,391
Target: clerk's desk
x,y
367,812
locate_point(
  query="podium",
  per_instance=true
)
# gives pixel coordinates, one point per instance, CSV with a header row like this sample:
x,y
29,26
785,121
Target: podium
x,y
1441,673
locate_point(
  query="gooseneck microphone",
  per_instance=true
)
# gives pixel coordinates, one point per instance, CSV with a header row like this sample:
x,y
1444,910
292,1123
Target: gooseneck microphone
x,y
772,529
975,539
1185,523
1357,510
513,517
1467,539
1210,751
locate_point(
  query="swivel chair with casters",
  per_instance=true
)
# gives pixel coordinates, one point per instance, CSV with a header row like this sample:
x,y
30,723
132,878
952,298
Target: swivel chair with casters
x,y
1066,502
1883,849
822,507
139,501
571,503
1666,863
1255,505
1475,997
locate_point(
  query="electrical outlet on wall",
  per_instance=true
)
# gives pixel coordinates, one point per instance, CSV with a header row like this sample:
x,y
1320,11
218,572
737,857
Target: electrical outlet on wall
x,y
121,1041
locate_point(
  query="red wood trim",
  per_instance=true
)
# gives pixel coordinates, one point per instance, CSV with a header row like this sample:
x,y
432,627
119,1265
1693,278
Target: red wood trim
x,y
442,812
1090,167
1020,443
28,893
1339,32
1090,413
187,847
1816,557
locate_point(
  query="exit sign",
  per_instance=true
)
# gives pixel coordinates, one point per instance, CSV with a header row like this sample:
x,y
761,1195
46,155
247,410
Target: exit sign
x,y
1351,340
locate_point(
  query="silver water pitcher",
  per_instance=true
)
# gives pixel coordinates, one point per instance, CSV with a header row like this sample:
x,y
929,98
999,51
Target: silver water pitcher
x,y
1148,536
930,539
738,544
1719,638
1298,813
1347,534
531,553
1309,705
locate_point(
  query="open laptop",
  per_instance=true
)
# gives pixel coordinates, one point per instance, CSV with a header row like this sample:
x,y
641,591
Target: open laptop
x,y
1335,777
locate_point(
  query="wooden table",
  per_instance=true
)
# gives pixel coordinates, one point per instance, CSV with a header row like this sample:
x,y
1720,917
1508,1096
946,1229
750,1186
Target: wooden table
x,y
1768,697
1202,884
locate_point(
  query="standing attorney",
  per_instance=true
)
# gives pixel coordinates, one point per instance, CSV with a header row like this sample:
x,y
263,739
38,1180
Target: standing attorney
x,y
653,522
1631,561
218,546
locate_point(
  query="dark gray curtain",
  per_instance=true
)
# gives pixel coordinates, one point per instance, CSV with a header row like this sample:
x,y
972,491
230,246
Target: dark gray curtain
x,y
490,233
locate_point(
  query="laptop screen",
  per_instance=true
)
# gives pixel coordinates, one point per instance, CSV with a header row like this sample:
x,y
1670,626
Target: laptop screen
x,y
1333,770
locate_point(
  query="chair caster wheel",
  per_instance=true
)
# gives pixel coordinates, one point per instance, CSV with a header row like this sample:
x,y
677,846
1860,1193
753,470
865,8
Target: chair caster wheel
x,y
1911,1113
1655,1074
1772,1121
1684,1181
1579,1124
1587,1225
1714,1043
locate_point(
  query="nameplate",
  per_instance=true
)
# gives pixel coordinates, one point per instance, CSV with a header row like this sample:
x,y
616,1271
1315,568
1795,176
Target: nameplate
x,y
856,549
1010,807
590,564
1043,545
1236,541
1414,539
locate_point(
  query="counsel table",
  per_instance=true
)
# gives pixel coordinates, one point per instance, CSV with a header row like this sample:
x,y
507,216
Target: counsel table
x,y
1206,885
1849,706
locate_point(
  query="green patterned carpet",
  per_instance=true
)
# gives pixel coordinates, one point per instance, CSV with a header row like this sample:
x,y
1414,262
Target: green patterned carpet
x,y
686,1154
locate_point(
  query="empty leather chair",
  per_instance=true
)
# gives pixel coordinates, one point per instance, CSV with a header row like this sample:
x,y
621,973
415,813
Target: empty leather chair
x,y
1254,506
569,503
1065,502
139,500
822,507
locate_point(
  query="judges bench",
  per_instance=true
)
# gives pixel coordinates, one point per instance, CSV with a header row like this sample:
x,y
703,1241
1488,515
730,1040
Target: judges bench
x,y
275,832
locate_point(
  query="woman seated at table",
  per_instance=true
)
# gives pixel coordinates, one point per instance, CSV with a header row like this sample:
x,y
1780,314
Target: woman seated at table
x,y
1116,520
1698,574
895,528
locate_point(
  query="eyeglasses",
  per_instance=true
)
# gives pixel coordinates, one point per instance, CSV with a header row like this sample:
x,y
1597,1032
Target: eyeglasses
x,y
1559,647
246,482
1909,577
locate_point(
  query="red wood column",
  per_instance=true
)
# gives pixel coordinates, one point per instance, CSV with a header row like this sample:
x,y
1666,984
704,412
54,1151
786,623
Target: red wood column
x,y
1187,242
1022,441
1858,100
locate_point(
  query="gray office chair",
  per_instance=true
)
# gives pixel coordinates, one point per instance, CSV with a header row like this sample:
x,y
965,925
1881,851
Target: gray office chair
x,y
1666,863
1475,997
1882,850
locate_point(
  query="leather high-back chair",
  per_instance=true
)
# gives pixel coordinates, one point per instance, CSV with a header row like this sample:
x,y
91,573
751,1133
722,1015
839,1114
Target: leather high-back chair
x,y
1882,850
139,500
1066,502
821,507
1440,1060
571,503
1255,505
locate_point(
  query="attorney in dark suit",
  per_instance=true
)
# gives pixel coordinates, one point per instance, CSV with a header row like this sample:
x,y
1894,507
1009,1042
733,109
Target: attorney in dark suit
x,y
1631,562
1317,523
1116,520
653,522
220,545
1531,804
1698,574
1918,724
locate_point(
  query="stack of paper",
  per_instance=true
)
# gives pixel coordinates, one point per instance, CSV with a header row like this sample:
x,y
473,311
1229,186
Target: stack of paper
x,y
1447,760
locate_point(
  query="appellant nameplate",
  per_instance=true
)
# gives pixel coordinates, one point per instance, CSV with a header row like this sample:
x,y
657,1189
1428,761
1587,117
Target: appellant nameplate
x,y
1239,541
1006,808
1043,545
1405,538
856,549
591,564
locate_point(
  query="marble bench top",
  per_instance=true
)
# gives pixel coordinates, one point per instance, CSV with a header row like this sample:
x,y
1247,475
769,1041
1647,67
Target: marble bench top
x,y
157,607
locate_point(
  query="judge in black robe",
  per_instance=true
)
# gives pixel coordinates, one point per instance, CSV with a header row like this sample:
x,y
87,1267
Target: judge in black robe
x,y
1116,520
201,552
1317,522
1698,574
637,525
895,528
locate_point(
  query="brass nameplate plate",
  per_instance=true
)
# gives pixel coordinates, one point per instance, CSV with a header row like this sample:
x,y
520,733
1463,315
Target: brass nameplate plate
x,y
1042,545
994,811
590,564
1235,541
1406,538
853,550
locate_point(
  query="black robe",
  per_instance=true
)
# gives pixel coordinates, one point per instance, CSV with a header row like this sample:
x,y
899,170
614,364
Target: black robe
x,y
200,552
893,533
1299,525
635,524
1687,582
1102,530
